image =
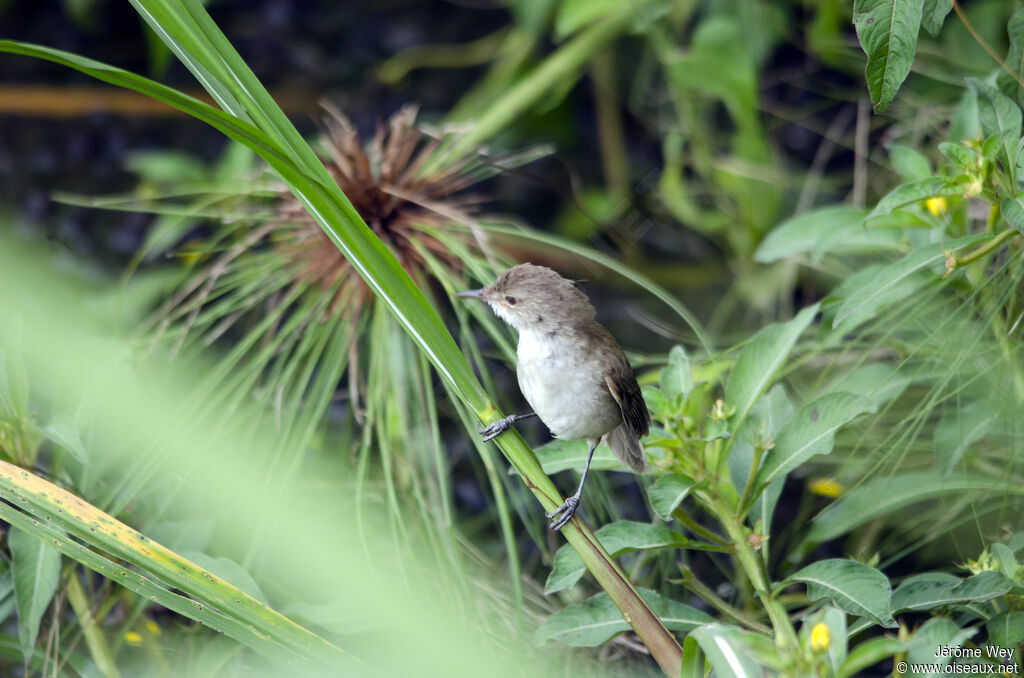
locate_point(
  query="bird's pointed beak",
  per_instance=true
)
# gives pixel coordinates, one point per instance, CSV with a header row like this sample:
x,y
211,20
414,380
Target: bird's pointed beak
x,y
472,294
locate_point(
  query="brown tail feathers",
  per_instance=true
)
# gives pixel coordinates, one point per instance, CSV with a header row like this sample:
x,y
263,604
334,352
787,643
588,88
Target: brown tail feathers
x,y
627,448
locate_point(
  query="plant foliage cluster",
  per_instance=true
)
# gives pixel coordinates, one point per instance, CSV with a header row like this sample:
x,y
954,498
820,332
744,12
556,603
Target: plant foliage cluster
x,y
837,494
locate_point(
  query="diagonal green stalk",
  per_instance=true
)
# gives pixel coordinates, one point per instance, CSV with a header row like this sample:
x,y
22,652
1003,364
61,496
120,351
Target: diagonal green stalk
x,y
87,535
193,36
94,638
566,64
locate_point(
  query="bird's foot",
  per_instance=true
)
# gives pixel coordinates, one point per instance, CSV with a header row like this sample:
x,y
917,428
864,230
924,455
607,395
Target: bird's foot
x,y
497,428
565,512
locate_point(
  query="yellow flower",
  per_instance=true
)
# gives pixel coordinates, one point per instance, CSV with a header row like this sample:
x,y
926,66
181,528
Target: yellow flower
x,y
133,638
826,487
937,205
820,637
152,627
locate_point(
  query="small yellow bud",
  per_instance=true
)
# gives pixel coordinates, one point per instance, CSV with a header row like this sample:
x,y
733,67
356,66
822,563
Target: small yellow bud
x,y
826,487
820,637
152,627
937,206
133,638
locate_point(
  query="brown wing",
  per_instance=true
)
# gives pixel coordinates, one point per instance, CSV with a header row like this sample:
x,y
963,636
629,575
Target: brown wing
x,y
626,391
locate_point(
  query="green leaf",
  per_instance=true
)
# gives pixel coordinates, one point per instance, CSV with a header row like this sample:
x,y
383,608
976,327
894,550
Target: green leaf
x,y
936,589
878,381
902,290
877,292
1016,541
1006,629
870,653
909,163
810,432
934,15
766,419
914,192
961,156
229,571
881,496
958,429
693,659
656,402
36,571
835,619
1003,556
597,620
857,588
763,509
1014,59
761,360
727,653
934,633
997,113
63,431
1000,117
1012,210
623,536
668,492
835,229
676,379
887,31
964,127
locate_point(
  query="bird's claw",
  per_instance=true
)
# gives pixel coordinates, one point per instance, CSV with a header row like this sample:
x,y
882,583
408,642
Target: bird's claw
x,y
567,511
496,429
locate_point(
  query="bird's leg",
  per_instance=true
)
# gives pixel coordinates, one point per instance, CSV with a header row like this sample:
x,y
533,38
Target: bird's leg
x,y
568,509
497,428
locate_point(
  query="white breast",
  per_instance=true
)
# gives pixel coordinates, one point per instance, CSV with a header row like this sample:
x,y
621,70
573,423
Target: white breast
x,y
568,394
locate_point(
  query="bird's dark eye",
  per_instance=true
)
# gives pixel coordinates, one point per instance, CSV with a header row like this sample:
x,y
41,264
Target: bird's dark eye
x,y
510,300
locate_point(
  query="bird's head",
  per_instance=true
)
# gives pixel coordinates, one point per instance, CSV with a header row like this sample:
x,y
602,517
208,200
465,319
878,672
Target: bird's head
x,y
530,297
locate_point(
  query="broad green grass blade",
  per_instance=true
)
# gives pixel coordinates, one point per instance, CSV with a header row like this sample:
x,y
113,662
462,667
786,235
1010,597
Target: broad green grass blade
x,y
67,523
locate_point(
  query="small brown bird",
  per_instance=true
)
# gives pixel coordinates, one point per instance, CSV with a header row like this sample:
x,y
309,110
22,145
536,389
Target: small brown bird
x,y
570,369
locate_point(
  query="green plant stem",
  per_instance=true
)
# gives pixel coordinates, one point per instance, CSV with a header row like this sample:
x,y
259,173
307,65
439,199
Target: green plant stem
x,y
785,634
984,45
954,262
695,527
749,487
90,629
614,158
705,593
719,456
655,637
